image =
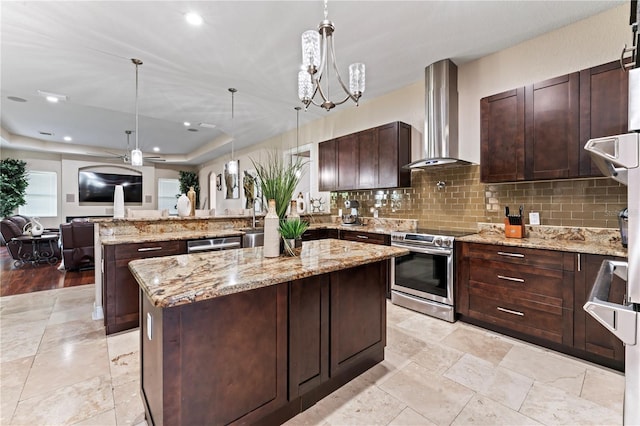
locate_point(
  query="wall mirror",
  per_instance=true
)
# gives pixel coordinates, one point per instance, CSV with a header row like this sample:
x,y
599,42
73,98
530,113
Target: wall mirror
x,y
231,180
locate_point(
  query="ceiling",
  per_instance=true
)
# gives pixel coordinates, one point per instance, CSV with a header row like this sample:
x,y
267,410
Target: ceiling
x,y
83,50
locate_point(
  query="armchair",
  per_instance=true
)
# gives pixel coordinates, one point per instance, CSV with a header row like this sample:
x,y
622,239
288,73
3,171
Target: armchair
x,y
77,245
12,227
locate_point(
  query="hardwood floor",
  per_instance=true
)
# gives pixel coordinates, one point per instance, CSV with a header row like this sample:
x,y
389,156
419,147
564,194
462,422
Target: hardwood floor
x,y
37,278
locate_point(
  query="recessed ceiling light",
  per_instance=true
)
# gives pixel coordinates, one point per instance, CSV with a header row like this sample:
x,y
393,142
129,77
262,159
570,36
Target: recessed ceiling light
x,y
67,138
207,125
52,97
187,124
16,99
156,149
193,18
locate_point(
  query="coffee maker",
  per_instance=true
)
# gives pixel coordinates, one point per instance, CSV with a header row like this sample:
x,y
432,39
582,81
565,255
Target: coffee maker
x,y
351,217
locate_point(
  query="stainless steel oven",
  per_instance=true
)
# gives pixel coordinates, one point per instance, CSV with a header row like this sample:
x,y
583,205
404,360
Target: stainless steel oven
x,y
423,279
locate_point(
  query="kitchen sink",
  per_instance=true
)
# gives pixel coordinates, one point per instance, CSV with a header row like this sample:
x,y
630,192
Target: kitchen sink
x,y
253,237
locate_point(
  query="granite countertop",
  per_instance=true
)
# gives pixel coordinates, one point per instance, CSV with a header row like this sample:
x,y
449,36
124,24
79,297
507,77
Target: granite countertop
x,y
601,241
355,228
182,279
168,236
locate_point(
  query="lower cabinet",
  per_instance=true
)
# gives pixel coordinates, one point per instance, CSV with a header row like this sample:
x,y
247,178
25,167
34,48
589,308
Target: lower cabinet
x,y
595,342
536,295
261,356
337,329
119,288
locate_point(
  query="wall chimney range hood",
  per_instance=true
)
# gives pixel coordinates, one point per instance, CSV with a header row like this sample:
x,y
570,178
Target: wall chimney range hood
x,y
440,137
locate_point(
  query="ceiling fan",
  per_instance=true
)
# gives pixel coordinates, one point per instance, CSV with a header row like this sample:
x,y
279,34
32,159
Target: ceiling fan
x,y
126,157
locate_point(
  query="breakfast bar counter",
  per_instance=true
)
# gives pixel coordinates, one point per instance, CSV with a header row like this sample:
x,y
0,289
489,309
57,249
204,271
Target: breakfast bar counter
x,y
233,337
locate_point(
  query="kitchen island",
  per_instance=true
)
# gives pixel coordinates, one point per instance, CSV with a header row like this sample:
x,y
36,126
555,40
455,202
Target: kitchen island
x,y
233,337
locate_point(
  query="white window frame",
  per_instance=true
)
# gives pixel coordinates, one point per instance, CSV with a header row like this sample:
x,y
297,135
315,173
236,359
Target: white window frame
x,y
41,201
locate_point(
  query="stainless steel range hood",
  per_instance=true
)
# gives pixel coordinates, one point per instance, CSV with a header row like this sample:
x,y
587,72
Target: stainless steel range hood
x,y
440,137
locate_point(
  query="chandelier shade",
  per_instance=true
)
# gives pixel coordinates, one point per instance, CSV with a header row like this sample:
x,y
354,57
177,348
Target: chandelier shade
x,y
318,56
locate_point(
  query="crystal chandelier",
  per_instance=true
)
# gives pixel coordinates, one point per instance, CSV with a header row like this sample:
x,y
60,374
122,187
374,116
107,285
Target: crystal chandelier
x,y
317,52
136,154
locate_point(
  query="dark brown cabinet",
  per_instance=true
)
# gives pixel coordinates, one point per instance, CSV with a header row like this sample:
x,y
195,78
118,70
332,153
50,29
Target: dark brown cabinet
x,y
261,356
347,155
537,295
366,237
369,159
604,94
523,291
119,288
538,132
596,342
502,137
552,128
328,170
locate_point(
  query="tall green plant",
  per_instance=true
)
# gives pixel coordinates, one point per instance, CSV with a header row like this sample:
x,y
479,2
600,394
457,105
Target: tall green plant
x,y
187,180
13,185
278,180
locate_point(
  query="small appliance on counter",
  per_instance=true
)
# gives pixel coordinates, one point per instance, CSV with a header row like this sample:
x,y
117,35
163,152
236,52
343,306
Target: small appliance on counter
x,y
352,217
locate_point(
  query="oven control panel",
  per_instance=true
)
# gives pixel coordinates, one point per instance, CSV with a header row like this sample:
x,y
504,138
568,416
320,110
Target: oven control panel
x,y
426,240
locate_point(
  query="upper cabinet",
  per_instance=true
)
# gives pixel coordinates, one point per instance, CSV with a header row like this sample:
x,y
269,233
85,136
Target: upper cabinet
x,y
369,159
537,132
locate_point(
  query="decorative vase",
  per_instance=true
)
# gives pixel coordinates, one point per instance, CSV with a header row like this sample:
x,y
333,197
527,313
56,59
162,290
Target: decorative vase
x,y
118,202
271,246
301,204
293,211
191,194
183,206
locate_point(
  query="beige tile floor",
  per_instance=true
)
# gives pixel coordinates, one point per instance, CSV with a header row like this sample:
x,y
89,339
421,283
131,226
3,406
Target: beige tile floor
x,y
58,367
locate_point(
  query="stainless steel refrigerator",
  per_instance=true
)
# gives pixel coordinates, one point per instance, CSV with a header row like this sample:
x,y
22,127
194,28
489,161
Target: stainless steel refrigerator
x,y
619,157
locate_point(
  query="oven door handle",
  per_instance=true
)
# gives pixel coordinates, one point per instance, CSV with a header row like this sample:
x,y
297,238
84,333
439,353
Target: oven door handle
x,y
620,320
437,252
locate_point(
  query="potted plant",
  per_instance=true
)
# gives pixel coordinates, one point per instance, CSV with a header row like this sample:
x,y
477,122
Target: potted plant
x,y
13,185
188,180
291,231
278,180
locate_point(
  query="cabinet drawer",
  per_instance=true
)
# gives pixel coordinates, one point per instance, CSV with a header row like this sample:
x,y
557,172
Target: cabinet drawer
x,y
527,278
531,318
154,249
518,255
366,237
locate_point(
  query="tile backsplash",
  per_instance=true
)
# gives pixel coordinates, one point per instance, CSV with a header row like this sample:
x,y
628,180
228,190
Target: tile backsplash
x,y
454,198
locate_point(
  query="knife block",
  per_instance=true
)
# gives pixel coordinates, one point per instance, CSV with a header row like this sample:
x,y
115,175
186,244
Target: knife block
x,y
513,231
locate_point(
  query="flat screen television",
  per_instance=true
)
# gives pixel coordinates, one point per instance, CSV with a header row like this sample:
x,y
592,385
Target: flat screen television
x,y
99,187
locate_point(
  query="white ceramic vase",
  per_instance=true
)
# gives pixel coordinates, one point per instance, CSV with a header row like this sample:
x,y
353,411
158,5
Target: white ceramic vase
x,y
118,202
183,206
271,235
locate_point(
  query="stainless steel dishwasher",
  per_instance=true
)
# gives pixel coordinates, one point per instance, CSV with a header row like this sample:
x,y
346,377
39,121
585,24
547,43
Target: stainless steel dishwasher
x,y
213,244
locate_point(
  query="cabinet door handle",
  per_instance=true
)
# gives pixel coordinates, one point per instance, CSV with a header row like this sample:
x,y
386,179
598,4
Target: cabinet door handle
x,y
504,253
518,280
579,263
149,249
363,237
509,311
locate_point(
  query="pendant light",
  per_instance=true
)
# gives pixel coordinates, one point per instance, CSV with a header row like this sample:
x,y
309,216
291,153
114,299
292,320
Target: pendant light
x,y
232,165
136,154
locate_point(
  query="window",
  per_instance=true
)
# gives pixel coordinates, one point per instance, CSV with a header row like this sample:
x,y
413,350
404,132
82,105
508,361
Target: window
x,y
41,195
168,190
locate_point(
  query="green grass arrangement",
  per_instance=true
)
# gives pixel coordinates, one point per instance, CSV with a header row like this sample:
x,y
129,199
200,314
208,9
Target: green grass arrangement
x,y
278,180
292,229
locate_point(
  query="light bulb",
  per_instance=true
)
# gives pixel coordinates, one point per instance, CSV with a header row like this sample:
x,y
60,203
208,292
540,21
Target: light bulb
x,y
356,78
232,167
311,49
136,157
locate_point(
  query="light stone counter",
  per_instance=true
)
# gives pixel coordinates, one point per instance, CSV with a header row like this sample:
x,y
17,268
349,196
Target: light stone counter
x,y
603,241
178,280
